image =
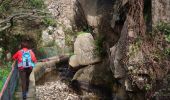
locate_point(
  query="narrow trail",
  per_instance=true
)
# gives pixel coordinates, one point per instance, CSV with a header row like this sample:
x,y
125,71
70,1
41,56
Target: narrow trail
x,y
54,85
31,93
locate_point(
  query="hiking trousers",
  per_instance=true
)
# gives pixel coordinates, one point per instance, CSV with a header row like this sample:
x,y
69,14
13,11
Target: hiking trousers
x,y
24,76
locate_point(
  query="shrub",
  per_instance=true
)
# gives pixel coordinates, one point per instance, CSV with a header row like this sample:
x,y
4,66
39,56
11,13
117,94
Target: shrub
x,y
167,51
78,33
167,37
100,50
5,6
49,22
4,72
37,3
164,28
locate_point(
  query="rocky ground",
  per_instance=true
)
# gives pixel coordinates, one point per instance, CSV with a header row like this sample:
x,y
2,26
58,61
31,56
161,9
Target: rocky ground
x,y
55,86
56,90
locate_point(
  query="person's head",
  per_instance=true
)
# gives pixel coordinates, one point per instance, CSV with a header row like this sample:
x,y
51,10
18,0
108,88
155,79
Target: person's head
x,y
24,44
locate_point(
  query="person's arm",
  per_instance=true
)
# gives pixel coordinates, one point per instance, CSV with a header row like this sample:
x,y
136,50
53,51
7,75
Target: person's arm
x,y
34,59
15,56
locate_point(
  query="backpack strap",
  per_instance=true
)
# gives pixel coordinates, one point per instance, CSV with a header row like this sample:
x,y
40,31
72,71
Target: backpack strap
x,y
20,64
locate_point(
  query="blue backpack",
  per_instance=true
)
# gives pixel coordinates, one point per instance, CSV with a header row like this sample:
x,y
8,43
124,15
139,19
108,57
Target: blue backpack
x,y
26,59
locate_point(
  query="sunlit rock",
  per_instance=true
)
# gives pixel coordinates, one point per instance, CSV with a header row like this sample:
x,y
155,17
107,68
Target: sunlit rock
x,y
84,50
73,62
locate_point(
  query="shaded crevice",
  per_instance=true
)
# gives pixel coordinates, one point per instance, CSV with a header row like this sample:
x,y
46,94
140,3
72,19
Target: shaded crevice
x,y
79,17
120,21
148,14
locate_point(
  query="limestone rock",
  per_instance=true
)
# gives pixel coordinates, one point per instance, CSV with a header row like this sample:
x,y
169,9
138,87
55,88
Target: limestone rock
x,y
97,74
160,11
53,36
98,14
84,50
115,62
73,62
62,10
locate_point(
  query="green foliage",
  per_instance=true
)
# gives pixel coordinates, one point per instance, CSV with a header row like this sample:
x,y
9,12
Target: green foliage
x,y
1,53
41,53
37,3
78,33
167,37
135,47
4,72
69,37
167,51
49,22
87,29
1,83
147,87
69,40
164,28
5,5
14,43
100,51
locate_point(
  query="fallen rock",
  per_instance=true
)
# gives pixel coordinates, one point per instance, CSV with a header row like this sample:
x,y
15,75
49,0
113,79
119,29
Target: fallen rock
x,y
84,50
97,74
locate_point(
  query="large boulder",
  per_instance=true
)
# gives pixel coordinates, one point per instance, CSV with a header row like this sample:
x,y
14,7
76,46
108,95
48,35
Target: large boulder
x,y
73,61
84,50
98,74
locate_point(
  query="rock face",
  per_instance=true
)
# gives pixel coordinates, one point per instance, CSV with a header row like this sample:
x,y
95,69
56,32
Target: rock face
x,y
84,50
96,74
97,15
53,36
125,42
160,11
62,10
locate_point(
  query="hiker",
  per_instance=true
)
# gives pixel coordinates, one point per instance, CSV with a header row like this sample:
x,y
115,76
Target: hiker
x,y
26,61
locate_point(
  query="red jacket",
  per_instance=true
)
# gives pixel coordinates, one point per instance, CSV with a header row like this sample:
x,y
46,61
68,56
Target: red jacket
x,y
18,56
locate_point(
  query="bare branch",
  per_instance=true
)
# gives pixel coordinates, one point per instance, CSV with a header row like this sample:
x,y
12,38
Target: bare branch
x,y
8,25
8,22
